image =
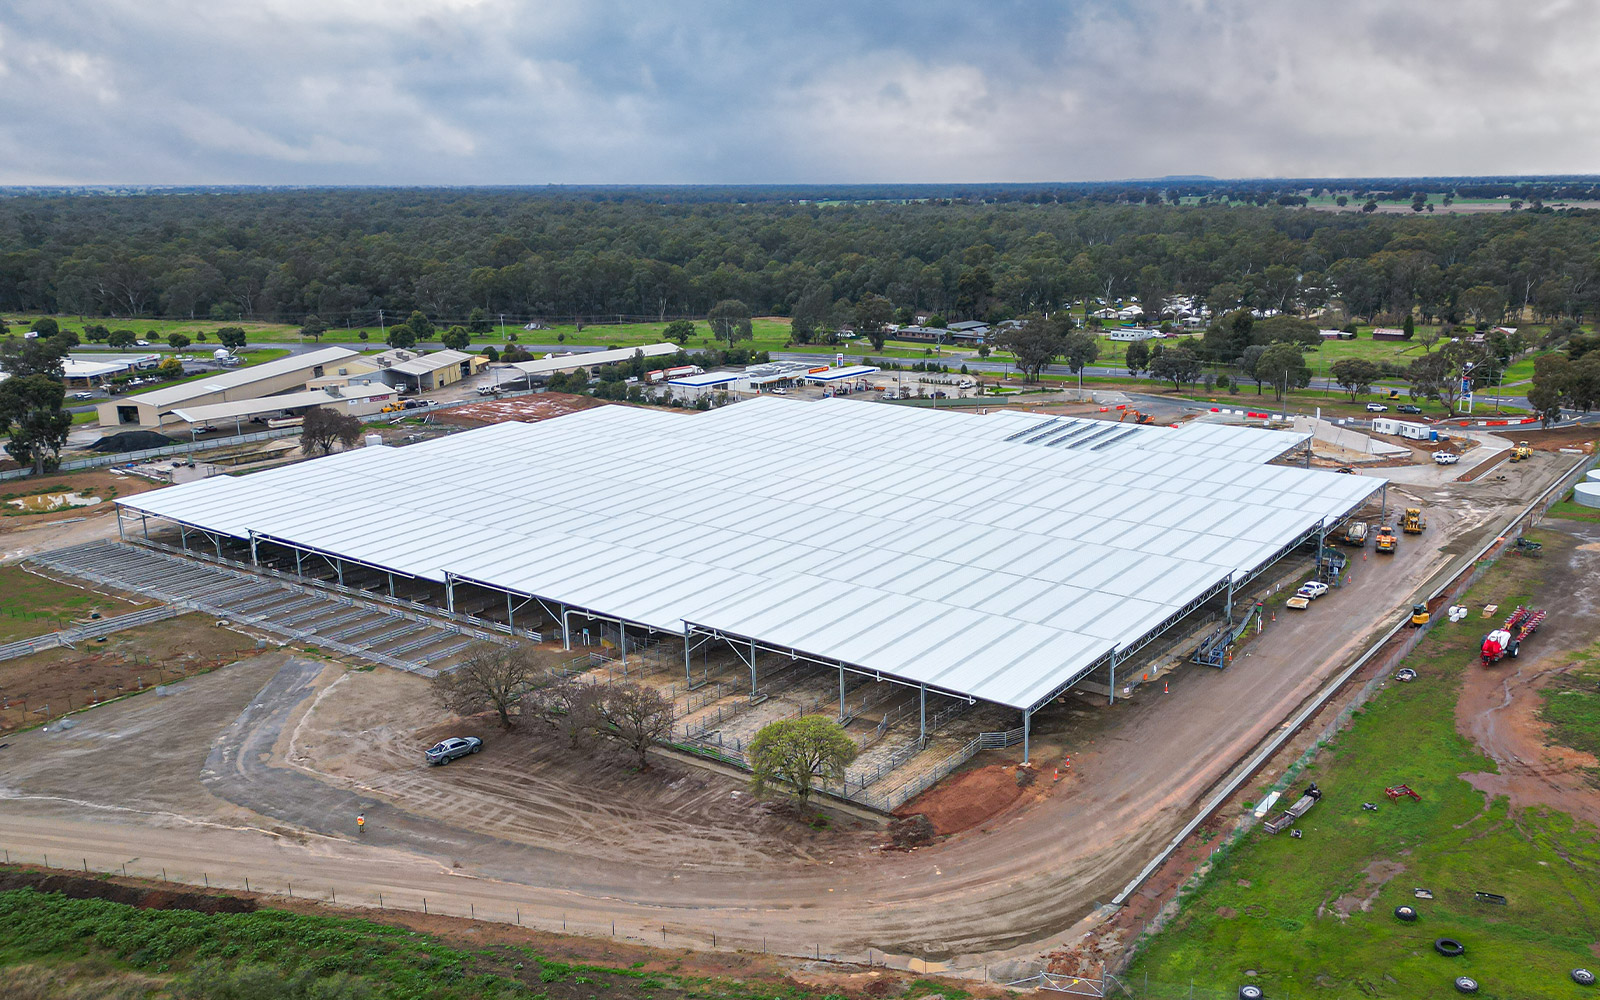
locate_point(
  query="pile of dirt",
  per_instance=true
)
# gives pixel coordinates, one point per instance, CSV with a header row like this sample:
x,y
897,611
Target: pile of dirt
x,y
967,799
131,441
146,898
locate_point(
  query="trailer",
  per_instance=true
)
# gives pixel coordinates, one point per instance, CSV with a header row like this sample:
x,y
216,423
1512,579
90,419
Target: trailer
x,y
1508,639
1302,805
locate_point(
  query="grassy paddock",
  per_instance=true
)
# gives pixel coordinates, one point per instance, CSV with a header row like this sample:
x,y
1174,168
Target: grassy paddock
x,y
1273,904
281,954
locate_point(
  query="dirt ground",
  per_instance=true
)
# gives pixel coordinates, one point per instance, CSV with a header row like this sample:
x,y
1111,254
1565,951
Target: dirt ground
x,y
263,765
526,409
23,535
99,483
1499,704
46,685
969,797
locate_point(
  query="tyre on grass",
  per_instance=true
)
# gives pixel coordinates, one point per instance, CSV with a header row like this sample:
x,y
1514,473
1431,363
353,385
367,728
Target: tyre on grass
x,y
1583,977
1449,947
1466,984
1250,993
1405,913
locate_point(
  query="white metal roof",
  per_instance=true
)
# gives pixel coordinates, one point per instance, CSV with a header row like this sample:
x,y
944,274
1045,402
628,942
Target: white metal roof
x,y
430,362
177,394
588,359
835,374
705,379
272,404
918,543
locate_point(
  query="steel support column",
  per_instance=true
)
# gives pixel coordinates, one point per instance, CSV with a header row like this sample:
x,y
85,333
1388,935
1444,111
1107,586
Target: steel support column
x,y
688,652
338,570
450,593
752,667
1229,608
1383,515
146,521
297,570
217,539
1027,730
1113,685
922,726
391,585
255,559
841,695
509,622
622,635
120,536
183,538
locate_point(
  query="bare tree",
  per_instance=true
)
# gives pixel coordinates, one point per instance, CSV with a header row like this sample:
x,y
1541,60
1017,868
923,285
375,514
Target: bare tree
x,y
321,427
633,716
491,677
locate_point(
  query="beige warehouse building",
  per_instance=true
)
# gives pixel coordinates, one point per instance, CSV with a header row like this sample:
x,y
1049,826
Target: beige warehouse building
x,y
152,409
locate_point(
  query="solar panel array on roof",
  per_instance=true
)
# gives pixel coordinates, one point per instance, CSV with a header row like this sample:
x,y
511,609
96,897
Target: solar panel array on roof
x,y
917,543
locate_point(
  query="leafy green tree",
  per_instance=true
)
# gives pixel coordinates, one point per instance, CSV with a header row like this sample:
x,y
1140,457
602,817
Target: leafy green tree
x,y
478,321
44,326
794,752
313,327
872,319
1408,326
231,337
1137,358
1180,366
1283,367
122,339
1286,330
32,417
21,357
679,331
632,715
1355,375
1080,350
178,341
1246,364
810,314
1035,344
730,321
1485,303
456,338
94,331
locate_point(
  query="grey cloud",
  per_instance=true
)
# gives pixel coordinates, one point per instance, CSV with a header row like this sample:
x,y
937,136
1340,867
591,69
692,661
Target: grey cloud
x,y
499,91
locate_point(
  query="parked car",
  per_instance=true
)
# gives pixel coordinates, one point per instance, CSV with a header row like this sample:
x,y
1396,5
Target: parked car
x,y
141,343
1377,408
448,750
1312,589
1446,457
1345,471
1409,408
83,395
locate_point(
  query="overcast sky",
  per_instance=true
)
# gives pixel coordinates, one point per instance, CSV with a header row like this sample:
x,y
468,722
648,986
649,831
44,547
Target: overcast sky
x,y
593,91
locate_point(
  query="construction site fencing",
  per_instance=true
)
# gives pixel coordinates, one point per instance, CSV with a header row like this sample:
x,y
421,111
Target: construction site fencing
x,y
1448,592
145,454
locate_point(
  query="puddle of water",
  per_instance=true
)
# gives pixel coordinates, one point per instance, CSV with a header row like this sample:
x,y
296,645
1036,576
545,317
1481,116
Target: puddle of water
x,y
43,503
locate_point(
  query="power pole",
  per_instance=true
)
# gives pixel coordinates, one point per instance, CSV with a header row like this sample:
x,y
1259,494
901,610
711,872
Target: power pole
x,y
382,331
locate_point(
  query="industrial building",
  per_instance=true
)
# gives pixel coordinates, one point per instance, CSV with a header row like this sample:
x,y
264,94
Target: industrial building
x,y
426,372
155,408
356,400
593,359
1000,558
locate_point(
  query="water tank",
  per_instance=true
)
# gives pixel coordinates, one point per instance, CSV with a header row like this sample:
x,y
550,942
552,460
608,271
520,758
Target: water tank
x,y
372,440
221,354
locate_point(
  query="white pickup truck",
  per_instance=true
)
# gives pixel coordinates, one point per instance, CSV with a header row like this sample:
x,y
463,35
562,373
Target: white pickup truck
x,y
1446,457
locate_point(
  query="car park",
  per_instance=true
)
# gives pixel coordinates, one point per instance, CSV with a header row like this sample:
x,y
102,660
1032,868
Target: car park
x,y
1409,408
448,750
1377,408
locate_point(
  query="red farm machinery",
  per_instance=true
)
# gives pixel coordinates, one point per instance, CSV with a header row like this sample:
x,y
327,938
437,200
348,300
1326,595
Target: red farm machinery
x,y
1507,640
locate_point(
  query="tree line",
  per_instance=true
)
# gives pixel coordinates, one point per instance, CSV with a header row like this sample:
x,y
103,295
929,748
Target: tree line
x,y
477,257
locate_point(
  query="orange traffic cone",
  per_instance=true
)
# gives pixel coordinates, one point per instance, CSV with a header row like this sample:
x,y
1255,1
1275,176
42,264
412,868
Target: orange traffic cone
x,y
1164,688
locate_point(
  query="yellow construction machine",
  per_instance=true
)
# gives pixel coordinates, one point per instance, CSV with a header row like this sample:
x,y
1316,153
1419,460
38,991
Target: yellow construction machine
x,y
1413,522
1386,540
1522,452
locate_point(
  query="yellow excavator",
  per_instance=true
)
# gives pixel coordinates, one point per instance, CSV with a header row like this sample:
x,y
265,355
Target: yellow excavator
x,y
1413,522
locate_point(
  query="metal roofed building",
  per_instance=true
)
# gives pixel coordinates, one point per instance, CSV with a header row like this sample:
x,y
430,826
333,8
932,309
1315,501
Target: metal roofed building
x,y
590,359
980,557
841,374
150,409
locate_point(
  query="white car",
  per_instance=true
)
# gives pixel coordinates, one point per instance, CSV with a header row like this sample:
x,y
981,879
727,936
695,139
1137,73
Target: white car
x,y
1377,408
141,343
1446,457
83,395
1312,589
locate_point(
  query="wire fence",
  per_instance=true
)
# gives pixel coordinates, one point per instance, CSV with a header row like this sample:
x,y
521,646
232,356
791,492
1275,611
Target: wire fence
x,y
1448,592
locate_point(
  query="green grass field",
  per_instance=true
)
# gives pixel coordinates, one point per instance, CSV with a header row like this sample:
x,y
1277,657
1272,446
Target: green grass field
x,y
113,949
250,357
34,605
1572,707
1272,904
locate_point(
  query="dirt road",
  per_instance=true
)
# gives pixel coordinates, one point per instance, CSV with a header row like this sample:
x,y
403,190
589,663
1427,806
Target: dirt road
x,y
252,772
1499,705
